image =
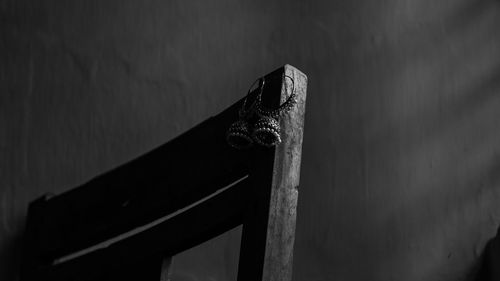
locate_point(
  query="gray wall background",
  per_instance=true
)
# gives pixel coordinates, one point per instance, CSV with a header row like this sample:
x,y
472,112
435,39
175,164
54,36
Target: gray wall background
x,y
401,157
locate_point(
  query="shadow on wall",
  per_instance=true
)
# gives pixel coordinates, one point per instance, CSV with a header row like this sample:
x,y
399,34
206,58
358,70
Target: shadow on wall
x,y
488,270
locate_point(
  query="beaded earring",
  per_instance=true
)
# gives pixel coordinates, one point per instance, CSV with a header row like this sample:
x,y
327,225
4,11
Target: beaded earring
x,y
266,130
238,135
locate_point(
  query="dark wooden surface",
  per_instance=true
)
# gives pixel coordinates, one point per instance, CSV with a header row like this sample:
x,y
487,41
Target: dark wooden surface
x,y
32,260
185,230
254,234
168,179
281,222
269,228
166,269
164,180
400,166
143,269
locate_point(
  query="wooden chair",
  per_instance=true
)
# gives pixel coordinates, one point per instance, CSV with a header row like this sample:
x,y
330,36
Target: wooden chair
x,y
170,181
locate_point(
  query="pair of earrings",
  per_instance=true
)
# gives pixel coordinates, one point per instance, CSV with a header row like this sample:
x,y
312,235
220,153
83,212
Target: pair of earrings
x,y
266,130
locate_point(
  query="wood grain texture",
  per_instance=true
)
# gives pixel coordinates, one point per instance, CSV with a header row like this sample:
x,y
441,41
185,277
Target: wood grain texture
x,y
160,182
185,230
166,179
166,269
265,203
269,229
32,260
400,162
285,183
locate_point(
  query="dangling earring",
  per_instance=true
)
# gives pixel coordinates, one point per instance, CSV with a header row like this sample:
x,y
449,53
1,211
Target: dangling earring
x,y
267,129
238,135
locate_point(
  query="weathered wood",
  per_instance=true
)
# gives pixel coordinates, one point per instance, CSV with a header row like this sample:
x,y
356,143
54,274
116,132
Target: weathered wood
x,y
32,260
269,230
160,182
145,269
183,231
284,192
254,233
145,189
168,179
166,269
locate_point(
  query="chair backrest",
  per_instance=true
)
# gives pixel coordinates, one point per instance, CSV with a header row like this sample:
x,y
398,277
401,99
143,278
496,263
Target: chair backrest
x,y
256,188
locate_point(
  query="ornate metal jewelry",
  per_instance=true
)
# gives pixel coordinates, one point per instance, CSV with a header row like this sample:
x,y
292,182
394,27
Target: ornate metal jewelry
x,y
238,135
285,107
267,129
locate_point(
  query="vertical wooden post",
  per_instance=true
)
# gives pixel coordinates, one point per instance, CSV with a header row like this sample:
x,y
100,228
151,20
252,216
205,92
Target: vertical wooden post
x,y
269,228
32,260
166,269
268,207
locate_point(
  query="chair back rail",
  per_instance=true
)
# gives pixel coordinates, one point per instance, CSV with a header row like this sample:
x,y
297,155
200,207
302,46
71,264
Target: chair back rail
x,y
167,179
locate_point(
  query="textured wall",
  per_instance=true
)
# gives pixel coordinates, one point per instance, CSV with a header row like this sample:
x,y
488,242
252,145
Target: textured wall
x,y
401,163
